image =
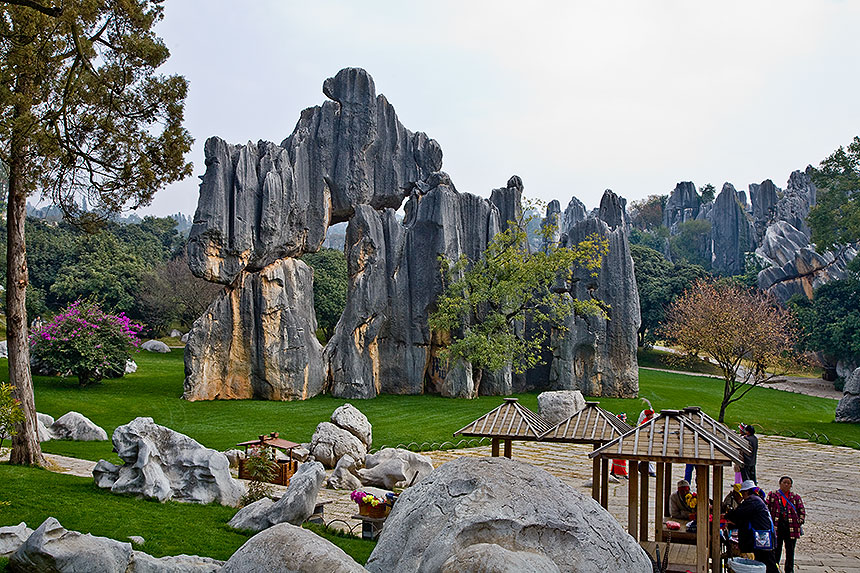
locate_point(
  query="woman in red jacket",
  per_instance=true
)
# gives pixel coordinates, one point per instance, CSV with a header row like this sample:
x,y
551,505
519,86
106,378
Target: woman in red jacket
x,y
786,509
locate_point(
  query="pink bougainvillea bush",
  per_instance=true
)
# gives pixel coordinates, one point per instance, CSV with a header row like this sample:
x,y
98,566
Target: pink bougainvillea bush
x,y
86,342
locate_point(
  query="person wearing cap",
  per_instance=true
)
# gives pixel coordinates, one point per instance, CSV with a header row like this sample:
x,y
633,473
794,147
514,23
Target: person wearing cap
x,y
751,514
678,506
748,469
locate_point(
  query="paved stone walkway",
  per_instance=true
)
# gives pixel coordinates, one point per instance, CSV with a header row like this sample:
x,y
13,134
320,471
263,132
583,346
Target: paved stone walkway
x,y
826,477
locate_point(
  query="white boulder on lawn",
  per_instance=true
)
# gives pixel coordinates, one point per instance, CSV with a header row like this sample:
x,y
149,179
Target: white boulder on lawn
x,y
155,346
163,464
12,537
559,405
353,421
76,426
330,443
394,467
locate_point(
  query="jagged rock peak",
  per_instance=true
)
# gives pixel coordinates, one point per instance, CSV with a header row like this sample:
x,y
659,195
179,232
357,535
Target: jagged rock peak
x,y
508,200
573,214
683,204
613,209
350,85
552,218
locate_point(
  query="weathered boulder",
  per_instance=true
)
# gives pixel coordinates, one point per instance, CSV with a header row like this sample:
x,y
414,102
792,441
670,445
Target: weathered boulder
x,y
145,563
263,202
257,339
130,366
76,426
285,548
559,405
732,233
780,243
163,464
233,457
596,355
12,537
848,409
330,443
502,502
799,197
175,334
382,343
54,549
394,467
345,474
4,349
353,421
683,205
295,506
806,271
492,558
43,427
155,346
763,200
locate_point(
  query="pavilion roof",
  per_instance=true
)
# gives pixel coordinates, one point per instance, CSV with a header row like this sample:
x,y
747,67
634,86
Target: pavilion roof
x,y
674,437
717,428
591,425
271,440
510,420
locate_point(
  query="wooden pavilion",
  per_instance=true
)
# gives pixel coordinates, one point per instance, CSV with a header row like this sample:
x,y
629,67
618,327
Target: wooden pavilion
x,y
510,421
596,426
286,468
674,436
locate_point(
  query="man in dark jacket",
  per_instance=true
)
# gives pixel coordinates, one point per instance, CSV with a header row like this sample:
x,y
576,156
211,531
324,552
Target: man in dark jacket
x,y
748,471
751,514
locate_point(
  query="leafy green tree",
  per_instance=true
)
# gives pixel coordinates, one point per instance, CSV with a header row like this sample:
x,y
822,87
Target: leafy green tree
x,y
835,219
330,286
659,283
708,192
486,300
830,322
653,239
85,341
82,113
749,335
690,244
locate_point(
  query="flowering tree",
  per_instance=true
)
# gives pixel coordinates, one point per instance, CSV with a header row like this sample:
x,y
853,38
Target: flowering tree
x,y
746,332
85,341
10,412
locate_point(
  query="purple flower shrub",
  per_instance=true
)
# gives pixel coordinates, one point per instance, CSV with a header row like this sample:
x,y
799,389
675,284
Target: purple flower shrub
x,y
86,342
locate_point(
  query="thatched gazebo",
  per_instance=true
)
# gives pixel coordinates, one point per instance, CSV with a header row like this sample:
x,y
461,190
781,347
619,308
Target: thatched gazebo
x,y
510,421
674,437
596,426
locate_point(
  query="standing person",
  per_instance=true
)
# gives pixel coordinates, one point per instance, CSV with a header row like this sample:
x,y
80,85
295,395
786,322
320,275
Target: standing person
x,y
788,514
748,471
752,514
619,467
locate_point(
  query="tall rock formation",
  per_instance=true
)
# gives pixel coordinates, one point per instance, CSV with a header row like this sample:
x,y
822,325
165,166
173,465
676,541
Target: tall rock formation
x,y
683,205
382,343
732,233
596,355
763,199
798,199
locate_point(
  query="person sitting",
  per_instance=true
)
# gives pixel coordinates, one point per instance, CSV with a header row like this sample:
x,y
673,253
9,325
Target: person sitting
x,y
752,514
733,499
679,508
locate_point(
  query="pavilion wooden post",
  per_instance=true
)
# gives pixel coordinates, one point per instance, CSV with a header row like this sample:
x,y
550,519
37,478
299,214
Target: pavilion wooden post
x,y
633,500
702,552
658,502
667,488
715,526
604,483
508,448
595,477
643,501
495,450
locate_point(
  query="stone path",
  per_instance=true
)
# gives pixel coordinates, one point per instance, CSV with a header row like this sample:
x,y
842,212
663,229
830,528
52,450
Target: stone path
x,y
826,477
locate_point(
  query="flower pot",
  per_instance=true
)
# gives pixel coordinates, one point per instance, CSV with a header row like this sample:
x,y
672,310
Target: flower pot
x,y
368,510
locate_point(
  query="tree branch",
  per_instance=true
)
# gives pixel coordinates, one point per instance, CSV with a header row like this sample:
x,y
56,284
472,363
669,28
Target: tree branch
x,y
47,11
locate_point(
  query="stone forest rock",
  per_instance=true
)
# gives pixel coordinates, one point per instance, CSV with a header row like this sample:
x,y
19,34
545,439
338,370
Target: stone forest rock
x,y
257,340
330,443
263,202
394,467
848,409
345,474
559,405
763,199
683,205
76,426
353,421
799,197
732,233
598,356
492,558
163,464
805,271
502,502
285,548
262,205
295,506
12,537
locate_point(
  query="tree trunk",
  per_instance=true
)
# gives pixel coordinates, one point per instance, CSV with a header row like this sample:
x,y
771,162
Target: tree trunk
x,y
25,444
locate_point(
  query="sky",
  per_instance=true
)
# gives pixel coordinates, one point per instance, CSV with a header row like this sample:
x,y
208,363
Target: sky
x,y
573,96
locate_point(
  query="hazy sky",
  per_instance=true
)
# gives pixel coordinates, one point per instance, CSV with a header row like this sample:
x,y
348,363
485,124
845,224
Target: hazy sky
x,y
575,97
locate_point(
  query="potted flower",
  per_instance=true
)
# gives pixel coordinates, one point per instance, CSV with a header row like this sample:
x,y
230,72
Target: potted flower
x,y
370,505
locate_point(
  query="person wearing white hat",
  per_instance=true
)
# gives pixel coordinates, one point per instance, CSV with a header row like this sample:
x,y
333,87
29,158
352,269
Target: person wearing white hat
x,y
752,514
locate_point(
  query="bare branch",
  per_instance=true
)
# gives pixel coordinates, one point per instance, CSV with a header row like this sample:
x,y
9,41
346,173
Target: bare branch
x,y
53,12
